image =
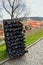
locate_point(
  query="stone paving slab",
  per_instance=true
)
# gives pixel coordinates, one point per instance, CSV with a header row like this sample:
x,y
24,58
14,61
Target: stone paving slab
x,y
33,57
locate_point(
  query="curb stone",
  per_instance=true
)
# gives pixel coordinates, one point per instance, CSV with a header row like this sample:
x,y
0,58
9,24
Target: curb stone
x,y
26,48
4,61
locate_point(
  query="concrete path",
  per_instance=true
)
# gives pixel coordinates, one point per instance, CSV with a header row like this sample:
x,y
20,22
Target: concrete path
x,y
33,57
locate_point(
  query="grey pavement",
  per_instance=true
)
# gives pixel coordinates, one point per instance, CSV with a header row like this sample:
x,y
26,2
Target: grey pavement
x,y
33,57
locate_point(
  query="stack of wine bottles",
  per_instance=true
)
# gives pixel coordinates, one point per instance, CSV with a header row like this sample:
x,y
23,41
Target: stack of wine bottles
x,y
14,38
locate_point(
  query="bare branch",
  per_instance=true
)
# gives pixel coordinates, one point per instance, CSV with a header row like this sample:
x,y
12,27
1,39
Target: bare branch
x,y
16,7
18,13
5,8
13,3
27,13
9,3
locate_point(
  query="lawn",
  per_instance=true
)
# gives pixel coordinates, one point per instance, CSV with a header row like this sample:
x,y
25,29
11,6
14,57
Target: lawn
x,y
29,40
33,38
3,53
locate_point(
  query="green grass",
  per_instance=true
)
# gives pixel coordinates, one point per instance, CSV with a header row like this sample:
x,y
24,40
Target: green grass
x,y
29,40
3,53
33,38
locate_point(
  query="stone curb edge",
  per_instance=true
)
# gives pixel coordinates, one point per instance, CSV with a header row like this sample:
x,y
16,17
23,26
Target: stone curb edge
x,y
26,48
4,61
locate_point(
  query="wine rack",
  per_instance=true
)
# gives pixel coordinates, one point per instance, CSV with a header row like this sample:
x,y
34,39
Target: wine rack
x,y
14,38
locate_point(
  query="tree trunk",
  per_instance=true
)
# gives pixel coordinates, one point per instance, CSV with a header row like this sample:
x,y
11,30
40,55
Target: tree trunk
x,y
12,16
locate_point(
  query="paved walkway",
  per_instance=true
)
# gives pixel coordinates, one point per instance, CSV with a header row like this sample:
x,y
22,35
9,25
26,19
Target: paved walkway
x,y
33,57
